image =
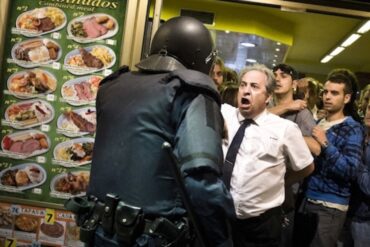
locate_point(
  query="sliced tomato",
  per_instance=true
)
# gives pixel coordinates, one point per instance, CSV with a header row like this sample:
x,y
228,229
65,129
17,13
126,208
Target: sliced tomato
x,y
7,142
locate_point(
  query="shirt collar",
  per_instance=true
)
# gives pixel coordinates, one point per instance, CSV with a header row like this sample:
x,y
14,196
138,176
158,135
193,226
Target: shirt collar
x,y
257,119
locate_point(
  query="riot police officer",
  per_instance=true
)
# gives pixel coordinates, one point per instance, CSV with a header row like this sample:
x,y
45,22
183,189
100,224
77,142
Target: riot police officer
x,y
170,99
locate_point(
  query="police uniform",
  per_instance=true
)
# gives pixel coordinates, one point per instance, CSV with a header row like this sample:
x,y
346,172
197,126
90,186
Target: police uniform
x,y
135,197
136,113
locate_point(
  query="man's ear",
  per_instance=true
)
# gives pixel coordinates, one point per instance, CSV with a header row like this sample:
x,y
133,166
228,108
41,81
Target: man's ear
x,y
347,98
269,97
294,85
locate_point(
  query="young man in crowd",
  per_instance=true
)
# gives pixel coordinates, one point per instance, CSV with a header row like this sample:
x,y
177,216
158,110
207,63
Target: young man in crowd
x,y
217,72
329,187
286,86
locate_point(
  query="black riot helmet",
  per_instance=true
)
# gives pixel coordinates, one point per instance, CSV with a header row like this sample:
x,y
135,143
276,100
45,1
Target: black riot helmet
x,y
181,42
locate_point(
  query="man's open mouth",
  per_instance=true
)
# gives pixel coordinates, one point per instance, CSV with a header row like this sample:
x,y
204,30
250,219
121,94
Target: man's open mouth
x,y
245,101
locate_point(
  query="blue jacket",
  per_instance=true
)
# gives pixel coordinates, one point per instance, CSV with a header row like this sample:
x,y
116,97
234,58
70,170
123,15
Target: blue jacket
x,y
337,166
360,201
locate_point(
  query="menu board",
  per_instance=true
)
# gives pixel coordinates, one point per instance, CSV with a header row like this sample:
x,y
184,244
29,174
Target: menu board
x,y
56,53
35,227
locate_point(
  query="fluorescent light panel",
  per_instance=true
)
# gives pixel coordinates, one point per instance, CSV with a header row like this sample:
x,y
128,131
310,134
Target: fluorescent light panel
x,y
336,51
251,60
326,59
247,44
364,28
350,40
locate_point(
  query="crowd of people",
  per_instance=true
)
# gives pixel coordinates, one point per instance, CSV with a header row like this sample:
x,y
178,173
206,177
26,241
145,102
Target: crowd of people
x,y
266,158
330,206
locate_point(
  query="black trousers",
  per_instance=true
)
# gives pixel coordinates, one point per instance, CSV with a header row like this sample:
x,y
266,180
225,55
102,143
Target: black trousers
x,y
261,231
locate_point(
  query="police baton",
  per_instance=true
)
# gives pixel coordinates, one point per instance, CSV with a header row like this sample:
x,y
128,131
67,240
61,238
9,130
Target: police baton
x,y
180,182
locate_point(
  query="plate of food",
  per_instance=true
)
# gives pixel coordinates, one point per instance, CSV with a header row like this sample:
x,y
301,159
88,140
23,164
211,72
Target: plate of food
x,y
40,21
23,177
82,90
90,28
29,113
77,122
66,185
26,223
31,83
74,152
86,60
35,52
26,143
55,230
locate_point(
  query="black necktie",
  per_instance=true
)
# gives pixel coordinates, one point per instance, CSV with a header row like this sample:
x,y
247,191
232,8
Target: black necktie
x,y
227,169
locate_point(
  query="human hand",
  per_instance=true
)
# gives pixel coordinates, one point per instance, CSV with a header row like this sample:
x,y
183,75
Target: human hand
x,y
297,105
320,135
321,114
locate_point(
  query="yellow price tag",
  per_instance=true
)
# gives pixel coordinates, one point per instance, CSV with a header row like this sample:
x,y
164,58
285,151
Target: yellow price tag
x,y
10,242
50,216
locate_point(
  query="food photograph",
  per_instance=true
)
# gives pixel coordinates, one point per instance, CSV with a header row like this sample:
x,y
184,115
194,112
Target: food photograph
x,y
35,52
26,223
82,90
54,231
72,234
30,113
6,218
41,21
31,83
70,184
23,177
86,60
77,122
26,143
75,152
90,28
54,54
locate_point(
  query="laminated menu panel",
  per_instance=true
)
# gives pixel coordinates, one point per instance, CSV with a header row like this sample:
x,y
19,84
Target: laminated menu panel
x,y
55,53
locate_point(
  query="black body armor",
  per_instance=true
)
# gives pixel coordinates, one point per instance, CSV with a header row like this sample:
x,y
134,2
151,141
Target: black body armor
x,y
128,159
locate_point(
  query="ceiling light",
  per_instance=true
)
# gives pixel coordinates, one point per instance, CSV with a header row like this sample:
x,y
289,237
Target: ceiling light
x,y
247,44
350,40
364,28
289,9
227,31
275,55
278,43
251,60
326,59
336,51
274,64
274,60
277,49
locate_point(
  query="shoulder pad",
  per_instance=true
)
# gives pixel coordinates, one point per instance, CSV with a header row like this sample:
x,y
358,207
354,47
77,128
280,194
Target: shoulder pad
x,y
114,75
198,80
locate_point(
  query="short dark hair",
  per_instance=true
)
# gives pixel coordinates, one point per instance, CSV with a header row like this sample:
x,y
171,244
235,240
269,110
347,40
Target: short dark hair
x,y
287,69
349,79
345,76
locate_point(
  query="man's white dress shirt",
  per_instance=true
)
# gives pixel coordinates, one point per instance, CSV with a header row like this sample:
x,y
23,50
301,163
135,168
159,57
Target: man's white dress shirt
x,y
257,182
